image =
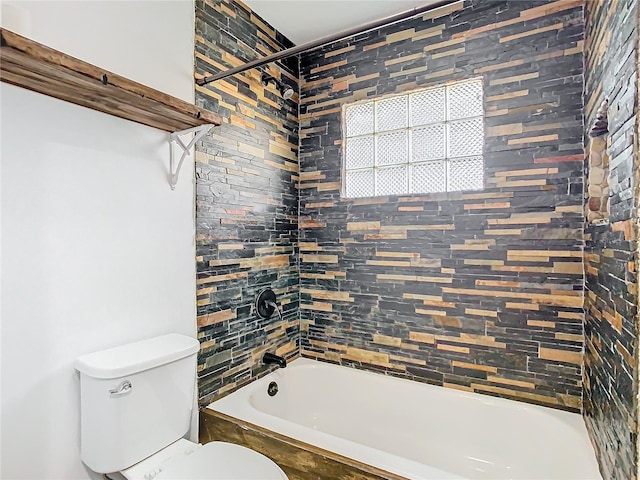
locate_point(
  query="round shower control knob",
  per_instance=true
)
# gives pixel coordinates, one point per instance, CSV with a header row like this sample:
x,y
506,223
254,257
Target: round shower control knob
x,y
266,303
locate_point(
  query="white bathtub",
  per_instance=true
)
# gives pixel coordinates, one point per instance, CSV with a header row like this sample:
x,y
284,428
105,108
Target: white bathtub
x,y
416,430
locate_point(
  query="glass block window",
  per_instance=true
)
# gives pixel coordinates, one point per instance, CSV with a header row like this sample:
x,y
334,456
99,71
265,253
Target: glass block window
x,y
426,141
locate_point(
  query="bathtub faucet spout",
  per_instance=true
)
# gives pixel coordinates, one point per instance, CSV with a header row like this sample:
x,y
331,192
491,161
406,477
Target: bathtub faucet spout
x,y
269,358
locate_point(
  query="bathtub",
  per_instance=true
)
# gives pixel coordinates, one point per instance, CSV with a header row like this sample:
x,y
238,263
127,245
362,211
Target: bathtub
x,y
415,430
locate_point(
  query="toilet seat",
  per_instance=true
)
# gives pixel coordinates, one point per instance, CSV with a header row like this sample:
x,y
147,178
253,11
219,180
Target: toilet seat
x,y
184,460
223,461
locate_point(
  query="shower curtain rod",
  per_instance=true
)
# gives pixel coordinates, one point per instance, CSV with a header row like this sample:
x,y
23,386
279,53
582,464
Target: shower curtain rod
x,y
312,45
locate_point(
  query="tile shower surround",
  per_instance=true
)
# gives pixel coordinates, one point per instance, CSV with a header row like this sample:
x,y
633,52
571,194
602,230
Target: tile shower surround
x,y
474,290
610,379
246,201
478,290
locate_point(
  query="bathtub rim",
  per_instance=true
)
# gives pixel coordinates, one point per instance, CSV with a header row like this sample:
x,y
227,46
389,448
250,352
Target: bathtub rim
x,y
384,461
373,456
245,425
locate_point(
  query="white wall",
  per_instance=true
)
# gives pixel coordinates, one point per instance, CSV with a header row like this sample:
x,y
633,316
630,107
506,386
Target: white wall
x,y
96,249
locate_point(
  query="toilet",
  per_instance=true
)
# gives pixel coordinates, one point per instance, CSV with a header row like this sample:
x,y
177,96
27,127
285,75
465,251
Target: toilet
x,y
136,402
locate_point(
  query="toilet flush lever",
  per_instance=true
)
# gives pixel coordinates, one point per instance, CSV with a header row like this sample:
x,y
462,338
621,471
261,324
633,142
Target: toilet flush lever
x,y
124,387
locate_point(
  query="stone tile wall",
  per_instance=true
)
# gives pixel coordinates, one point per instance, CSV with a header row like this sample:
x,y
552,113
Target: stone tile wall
x,y
482,290
611,297
247,203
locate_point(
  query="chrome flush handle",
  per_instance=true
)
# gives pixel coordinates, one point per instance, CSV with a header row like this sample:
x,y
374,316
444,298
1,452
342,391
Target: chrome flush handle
x,y
124,387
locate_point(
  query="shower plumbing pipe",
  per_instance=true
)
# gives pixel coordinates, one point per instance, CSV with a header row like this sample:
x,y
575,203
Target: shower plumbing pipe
x,y
312,45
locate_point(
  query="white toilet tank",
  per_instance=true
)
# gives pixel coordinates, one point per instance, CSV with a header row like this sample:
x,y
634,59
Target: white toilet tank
x,y
135,400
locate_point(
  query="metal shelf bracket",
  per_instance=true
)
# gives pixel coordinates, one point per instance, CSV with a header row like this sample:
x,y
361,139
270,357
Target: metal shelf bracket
x,y
175,138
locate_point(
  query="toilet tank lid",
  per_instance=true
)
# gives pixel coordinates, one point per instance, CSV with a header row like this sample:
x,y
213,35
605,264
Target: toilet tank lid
x,y
136,357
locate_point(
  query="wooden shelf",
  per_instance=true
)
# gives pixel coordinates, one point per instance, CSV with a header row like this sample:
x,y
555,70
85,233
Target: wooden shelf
x,y
30,65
